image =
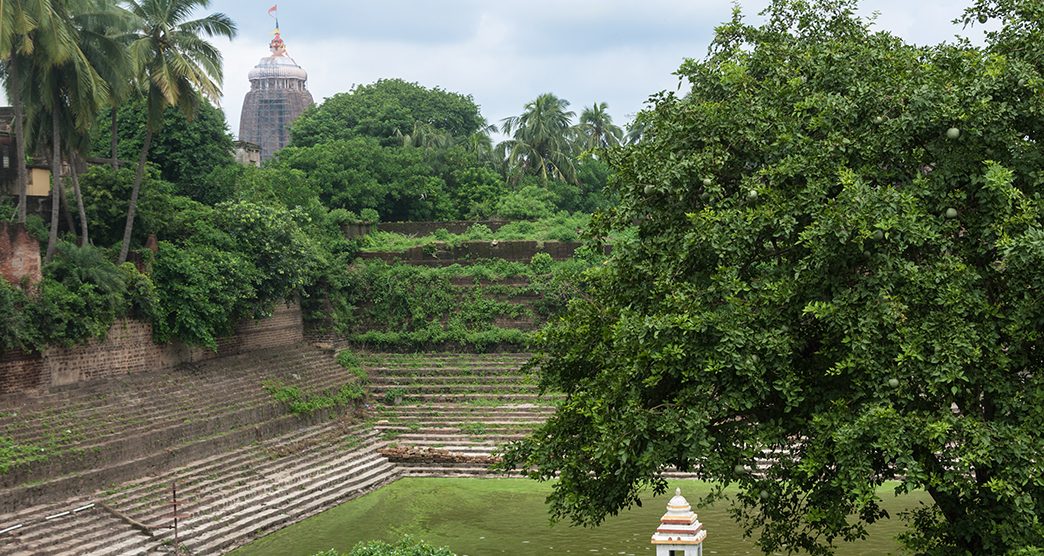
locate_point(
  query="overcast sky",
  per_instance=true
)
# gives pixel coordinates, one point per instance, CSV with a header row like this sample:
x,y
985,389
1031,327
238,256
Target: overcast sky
x,y
506,52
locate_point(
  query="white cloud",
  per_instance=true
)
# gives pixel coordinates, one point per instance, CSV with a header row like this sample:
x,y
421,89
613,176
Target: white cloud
x,y
507,52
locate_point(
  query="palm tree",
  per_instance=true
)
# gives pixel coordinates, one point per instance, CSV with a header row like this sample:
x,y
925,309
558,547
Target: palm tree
x,y
637,129
596,127
20,22
68,87
541,139
175,64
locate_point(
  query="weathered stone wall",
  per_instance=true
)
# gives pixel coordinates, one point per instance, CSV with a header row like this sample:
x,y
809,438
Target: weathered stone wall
x,y
128,348
426,228
510,250
19,254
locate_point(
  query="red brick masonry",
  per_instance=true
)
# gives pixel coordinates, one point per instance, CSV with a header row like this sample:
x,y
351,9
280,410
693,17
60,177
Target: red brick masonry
x,y
19,254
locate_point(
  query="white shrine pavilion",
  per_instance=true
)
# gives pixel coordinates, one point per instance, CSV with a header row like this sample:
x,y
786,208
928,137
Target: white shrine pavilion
x,y
679,533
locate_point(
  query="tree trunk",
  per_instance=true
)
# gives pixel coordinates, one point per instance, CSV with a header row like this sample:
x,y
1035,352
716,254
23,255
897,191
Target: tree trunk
x,y
84,238
19,129
66,213
133,207
56,182
112,139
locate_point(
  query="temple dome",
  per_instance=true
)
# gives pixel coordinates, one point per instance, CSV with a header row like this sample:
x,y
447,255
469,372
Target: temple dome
x,y
277,67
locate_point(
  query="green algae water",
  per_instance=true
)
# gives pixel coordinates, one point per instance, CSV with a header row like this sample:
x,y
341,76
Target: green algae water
x,y
475,517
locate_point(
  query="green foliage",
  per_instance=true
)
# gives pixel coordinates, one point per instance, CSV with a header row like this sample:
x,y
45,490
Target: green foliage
x,y
799,286
233,261
203,291
271,239
81,296
381,109
301,403
396,307
528,203
13,454
559,227
106,193
408,546
356,174
350,362
17,329
185,153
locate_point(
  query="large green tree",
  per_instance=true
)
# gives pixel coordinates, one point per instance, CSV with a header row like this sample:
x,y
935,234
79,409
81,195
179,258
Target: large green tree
x,y
836,282
176,67
187,151
387,110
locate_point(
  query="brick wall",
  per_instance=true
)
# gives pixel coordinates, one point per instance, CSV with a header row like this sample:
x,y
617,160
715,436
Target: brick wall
x,y
21,371
19,254
129,348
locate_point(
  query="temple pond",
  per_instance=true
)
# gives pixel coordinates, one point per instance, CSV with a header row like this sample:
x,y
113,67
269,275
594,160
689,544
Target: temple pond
x,y
475,517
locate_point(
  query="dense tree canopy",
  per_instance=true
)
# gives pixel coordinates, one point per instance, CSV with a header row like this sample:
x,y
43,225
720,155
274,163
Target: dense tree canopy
x,y
386,110
186,152
839,269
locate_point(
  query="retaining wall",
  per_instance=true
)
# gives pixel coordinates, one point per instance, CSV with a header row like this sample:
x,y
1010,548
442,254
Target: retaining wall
x,y
427,228
128,348
509,250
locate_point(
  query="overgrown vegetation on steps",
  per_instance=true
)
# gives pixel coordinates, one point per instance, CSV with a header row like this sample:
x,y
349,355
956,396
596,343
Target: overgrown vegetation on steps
x,y
479,307
300,402
560,227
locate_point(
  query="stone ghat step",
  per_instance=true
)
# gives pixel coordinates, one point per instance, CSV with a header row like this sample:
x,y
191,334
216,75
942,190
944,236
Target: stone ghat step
x,y
140,389
415,398
448,373
82,533
142,404
392,360
462,440
447,471
466,388
219,543
442,379
196,481
248,401
290,487
457,409
447,419
98,431
165,446
492,422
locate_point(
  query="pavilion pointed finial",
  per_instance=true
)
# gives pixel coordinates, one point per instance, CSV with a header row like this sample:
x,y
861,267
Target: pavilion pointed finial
x,y
677,491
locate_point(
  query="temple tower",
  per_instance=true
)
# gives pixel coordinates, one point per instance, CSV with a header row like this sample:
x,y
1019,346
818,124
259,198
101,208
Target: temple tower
x,y
679,533
276,98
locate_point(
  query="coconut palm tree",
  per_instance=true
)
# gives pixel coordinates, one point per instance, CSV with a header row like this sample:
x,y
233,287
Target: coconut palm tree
x,y
541,139
596,128
20,25
637,129
175,65
67,82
